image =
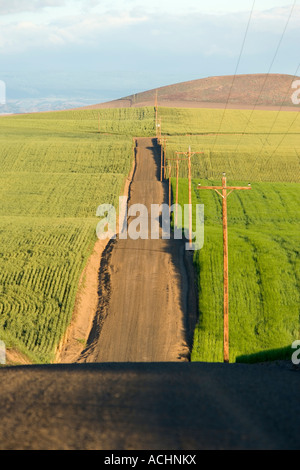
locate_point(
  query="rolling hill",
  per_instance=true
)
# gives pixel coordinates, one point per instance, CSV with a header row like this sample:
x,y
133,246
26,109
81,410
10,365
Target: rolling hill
x,y
262,91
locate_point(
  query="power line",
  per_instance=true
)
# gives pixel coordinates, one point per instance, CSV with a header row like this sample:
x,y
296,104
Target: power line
x,y
291,125
276,117
268,73
236,69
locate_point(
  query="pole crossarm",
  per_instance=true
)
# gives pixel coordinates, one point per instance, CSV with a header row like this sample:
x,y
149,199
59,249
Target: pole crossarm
x,y
227,188
191,153
177,159
230,188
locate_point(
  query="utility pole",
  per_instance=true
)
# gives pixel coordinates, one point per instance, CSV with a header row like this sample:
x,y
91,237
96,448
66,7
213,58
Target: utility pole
x,y
177,159
177,181
156,117
161,162
165,144
170,168
224,194
162,159
159,130
99,127
190,196
189,155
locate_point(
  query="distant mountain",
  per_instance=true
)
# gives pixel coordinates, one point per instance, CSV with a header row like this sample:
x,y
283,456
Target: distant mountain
x,y
35,105
263,91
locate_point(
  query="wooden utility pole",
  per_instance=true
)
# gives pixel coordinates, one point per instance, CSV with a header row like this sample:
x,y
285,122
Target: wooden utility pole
x,y
159,130
224,194
190,197
177,181
161,162
155,107
157,121
170,189
177,184
189,155
163,159
170,168
99,127
164,153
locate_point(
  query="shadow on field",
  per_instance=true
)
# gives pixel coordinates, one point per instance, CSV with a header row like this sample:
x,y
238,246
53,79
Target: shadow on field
x,y
280,354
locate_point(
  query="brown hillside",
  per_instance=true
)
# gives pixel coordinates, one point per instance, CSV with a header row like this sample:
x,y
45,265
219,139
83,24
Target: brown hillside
x,y
244,91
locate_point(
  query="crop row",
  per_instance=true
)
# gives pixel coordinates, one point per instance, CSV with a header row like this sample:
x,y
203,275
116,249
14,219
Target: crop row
x,y
40,266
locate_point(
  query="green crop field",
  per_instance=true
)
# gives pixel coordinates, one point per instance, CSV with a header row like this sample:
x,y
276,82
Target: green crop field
x,y
56,169
263,226
257,145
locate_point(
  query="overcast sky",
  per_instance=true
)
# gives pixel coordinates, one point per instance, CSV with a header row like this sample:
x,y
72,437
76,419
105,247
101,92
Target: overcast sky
x,y
100,50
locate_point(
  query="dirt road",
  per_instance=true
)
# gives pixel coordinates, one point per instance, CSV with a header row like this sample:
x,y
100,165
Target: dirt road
x,y
146,312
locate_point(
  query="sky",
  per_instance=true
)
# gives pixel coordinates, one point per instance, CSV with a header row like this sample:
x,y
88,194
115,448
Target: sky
x,y
92,51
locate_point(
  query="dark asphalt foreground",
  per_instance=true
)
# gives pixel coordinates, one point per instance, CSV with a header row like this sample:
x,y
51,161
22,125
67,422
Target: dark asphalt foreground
x,y
150,406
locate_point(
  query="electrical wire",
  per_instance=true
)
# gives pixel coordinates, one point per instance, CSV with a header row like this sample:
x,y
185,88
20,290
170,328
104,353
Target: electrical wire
x,y
268,73
277,115
287,132
236,69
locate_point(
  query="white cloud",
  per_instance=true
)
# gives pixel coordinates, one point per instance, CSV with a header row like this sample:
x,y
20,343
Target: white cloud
x,y
95,47
211,35
20,6
277,16
23,35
